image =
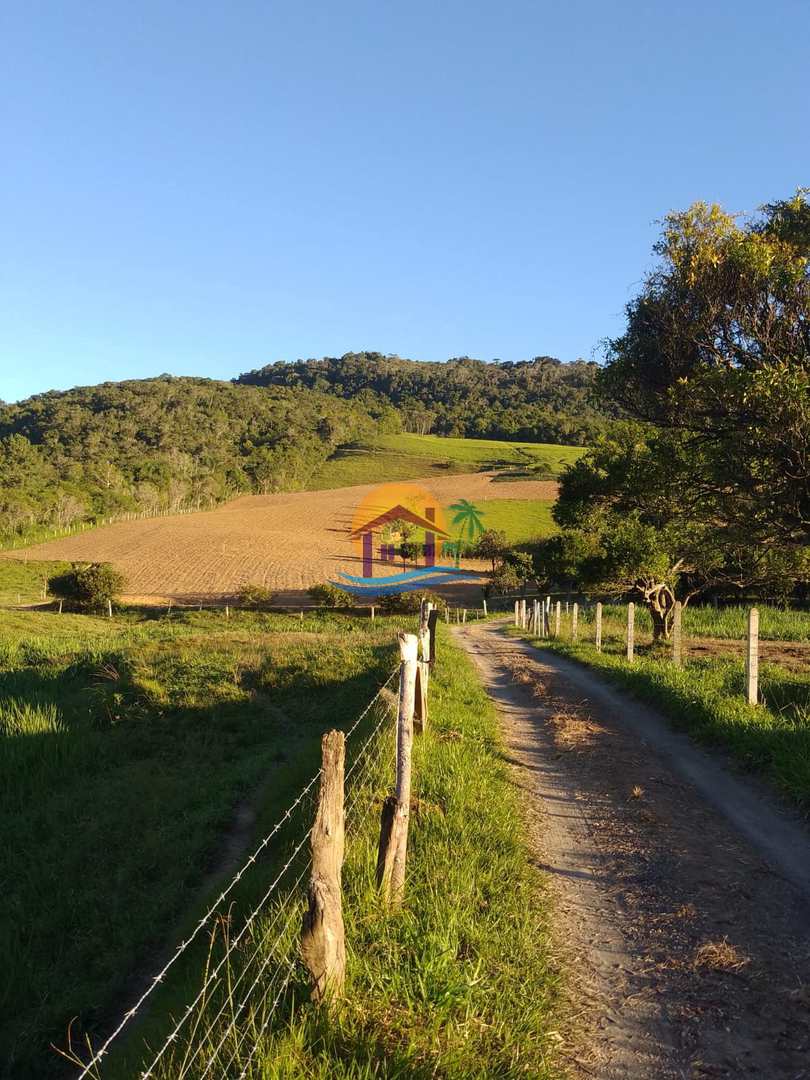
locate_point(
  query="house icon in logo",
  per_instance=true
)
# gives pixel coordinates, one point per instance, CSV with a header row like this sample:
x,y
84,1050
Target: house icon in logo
x,y
365,534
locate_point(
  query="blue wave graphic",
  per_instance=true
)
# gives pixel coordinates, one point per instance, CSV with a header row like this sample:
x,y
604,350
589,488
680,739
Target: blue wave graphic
x,y
418,574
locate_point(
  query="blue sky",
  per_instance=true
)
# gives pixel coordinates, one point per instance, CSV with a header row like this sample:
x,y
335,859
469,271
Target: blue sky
x,y
205,188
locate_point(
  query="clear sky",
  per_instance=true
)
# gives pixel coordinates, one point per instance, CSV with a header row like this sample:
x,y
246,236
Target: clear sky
x,y
203,188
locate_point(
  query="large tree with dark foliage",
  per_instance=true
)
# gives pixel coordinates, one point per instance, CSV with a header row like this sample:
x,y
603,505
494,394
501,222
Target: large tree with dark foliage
x,y
717,349
541,400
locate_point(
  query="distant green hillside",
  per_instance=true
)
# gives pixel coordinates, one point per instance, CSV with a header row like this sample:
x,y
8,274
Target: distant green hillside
x,y
409,457
541,400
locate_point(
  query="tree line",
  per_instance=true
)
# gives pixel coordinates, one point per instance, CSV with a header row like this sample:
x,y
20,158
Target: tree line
x,y
163,444
539,400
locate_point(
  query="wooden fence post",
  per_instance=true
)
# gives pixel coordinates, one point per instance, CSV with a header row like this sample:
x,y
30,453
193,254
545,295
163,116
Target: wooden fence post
x,y
557,610
323,942
393,848
372,613
464,616
677,639
631,628
447,615
420,715
752,658
485,607
517,613
109,609
598,623
574,620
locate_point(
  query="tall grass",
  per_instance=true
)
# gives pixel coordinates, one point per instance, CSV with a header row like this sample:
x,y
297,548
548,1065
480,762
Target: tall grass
x,y
703,620
458,984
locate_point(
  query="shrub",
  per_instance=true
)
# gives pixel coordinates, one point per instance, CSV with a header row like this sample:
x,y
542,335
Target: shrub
x,y
88,587
405,603
255,597
330,596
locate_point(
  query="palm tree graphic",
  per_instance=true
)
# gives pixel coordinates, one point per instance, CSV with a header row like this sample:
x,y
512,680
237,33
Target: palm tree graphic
x,y
468,517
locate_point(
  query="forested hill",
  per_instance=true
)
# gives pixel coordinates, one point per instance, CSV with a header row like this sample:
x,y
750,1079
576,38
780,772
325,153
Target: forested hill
x,y
541,400
163,444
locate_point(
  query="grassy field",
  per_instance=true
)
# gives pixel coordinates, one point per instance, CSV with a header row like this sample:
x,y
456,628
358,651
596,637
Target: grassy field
x,y
126,747
726,623
22,581
440,988
408,457
521,519
706,698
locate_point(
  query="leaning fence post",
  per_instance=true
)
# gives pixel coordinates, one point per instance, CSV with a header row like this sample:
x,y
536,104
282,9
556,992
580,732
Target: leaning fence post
x,y
752,658
464,616
598,624
677,639
631,626
557,619
323,943
574,620
394,826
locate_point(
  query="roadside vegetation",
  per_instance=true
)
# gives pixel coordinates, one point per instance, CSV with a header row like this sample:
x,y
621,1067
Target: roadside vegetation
x,y
728,623
706,698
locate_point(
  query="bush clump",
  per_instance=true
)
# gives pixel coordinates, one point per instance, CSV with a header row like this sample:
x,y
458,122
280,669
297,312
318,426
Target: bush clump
x,y
406,603
255,597
88,586
330,596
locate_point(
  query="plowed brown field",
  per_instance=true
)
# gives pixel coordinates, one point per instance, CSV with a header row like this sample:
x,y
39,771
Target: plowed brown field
x,y
287,542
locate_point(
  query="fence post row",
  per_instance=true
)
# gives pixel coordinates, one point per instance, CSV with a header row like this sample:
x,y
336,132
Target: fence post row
x,y
393,847
323,942
752,658
631,626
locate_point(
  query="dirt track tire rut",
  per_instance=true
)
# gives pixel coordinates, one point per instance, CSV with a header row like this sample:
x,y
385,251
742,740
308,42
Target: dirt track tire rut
x,y
685,937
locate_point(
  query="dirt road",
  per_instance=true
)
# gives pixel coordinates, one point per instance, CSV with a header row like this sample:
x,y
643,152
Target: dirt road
x,y
682,893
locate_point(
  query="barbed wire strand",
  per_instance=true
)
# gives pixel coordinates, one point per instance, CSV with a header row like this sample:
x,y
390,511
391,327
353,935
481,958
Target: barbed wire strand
x,y
262,940
212,910
266,1021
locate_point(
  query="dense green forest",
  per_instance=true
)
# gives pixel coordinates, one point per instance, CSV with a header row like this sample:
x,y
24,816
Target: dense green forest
x,y
539,400
163,444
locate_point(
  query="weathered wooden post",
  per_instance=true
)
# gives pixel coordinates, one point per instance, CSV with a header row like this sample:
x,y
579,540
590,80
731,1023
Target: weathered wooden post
x,y
574,621
598,624
109,609
447,615
631,628
677,639
420,716
227,612
566,607
517,613
523,613
752,658
323,942
393,848
372,613
60,607
485,607
557,610
464,616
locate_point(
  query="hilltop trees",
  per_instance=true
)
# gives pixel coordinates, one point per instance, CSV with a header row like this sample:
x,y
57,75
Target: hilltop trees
x,y
534,400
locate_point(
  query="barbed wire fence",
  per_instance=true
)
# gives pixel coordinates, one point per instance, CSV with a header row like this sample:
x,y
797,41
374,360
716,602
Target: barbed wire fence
x,y
252,963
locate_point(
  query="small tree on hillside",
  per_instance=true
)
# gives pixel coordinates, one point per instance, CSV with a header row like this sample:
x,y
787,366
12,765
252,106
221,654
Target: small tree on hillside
x,y
88,587
493,545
